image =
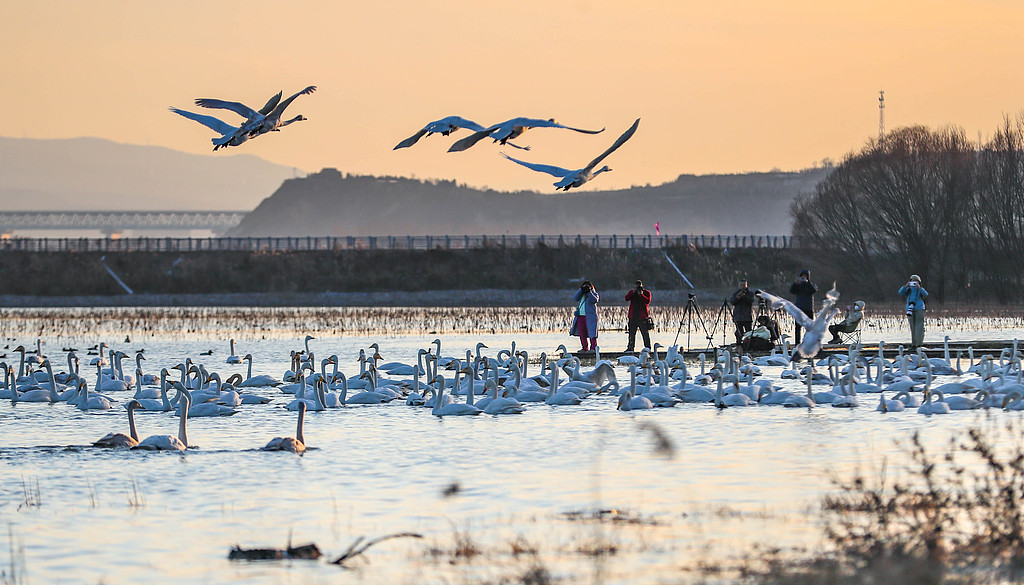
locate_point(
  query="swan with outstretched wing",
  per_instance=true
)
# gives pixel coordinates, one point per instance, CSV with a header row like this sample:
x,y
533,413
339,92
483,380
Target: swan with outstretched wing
x,y
575,178
815,327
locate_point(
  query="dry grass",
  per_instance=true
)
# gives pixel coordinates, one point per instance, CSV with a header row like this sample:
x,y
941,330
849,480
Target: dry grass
x,y
955,516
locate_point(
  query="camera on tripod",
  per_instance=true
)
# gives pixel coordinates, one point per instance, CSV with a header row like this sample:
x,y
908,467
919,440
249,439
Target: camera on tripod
x,y
692,296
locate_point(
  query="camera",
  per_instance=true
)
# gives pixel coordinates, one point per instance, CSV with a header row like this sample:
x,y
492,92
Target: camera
x,y
691,296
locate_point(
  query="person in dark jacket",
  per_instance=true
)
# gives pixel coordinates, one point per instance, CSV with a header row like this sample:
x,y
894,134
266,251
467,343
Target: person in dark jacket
x,y
742,302
803,290
638,297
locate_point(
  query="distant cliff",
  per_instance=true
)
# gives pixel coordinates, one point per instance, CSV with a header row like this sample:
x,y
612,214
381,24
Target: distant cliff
x,y
330,203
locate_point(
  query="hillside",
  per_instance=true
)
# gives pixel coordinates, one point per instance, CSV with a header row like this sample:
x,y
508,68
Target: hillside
x,y
330,203
85,174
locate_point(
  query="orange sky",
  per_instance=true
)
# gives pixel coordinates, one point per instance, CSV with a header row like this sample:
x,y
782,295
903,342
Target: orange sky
x,y
728,86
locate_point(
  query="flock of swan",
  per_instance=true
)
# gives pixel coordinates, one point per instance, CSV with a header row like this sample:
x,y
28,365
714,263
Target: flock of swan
x,y
257,122
269,118
503,132
501,384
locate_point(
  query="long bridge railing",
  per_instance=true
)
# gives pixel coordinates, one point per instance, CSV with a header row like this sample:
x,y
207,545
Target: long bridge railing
x,y
448,242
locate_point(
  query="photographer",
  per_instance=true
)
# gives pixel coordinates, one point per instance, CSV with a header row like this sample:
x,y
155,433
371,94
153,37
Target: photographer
x,y
584,322
742,313
803,290
639,298
915,295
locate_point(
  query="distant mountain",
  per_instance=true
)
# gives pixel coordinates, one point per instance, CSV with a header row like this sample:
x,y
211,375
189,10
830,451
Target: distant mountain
x,y
85,174
329,203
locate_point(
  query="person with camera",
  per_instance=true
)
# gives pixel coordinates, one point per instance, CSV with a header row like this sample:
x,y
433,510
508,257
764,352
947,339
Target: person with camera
x,y
639,298
915,295
803,290
584,322
742,302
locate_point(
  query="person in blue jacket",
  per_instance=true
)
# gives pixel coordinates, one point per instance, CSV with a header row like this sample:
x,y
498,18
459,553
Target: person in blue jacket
x,y
584,322
915,295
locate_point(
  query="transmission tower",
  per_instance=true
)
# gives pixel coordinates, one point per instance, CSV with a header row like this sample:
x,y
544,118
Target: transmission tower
x,y
881,115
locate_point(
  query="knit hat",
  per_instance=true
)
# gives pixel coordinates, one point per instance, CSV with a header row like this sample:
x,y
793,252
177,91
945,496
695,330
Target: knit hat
x,y
805,272
915,278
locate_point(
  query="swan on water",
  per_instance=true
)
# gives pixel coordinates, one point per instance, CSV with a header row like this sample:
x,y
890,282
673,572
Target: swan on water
x,y
232,358
510,129
570,178
170,442
454,408
628,400
87,402
296,444
929,407
115,440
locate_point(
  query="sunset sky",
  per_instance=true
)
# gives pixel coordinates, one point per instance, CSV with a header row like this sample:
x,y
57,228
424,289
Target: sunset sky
x,y
721,87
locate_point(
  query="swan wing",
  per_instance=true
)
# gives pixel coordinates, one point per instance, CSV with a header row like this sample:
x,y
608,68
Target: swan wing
x,y
781,303
472,139
236,107
215,124
280,108
621,140
411,140
549,169
540,123
271,104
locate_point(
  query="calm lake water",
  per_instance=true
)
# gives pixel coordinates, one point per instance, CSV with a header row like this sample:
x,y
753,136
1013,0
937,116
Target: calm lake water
x,y
739,479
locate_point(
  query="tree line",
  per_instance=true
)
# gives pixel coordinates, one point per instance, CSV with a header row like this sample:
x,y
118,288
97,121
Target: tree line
x,y
926,202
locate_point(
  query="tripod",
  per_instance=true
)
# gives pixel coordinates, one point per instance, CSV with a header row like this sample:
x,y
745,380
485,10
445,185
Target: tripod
x,y
689,312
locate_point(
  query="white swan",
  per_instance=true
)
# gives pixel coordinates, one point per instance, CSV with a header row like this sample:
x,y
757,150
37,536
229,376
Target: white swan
x,y
38,394
501,404
889,405
232,358
558,397
814,328
930,407
628,400
260,380
296,444
86,402
510,129
454,408
272,121
169,442
201,410
231,135
444,127
802,400
116,440
848,399
960,402
570,178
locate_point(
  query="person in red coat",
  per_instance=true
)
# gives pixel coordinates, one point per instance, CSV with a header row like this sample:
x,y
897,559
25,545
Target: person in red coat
x,y
639,297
